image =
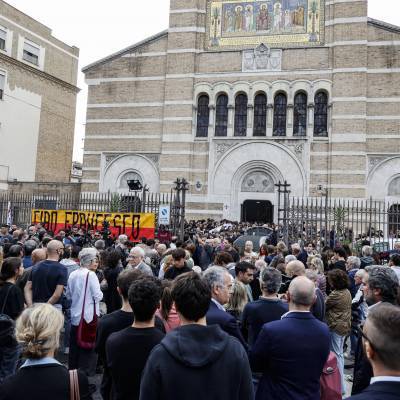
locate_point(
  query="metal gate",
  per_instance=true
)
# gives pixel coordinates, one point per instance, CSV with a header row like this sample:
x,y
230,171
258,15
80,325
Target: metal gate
x,y
17,207
333,222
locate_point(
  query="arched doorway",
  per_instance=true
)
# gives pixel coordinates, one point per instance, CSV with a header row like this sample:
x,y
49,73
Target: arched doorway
x,y
260,211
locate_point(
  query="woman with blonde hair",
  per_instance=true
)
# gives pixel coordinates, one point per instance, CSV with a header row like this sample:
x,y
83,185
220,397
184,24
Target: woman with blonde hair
x,y
166,264
42,376
237,300
317,265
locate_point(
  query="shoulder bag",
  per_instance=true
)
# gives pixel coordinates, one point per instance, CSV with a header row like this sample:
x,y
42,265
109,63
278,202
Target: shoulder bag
x,y
86,334
74,385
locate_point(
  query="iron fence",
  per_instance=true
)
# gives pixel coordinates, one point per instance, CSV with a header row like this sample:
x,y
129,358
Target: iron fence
x,y
332,222
18,206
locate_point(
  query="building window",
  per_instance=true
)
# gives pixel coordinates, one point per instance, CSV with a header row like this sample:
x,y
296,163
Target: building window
x,y
260,115
203,116
2,85
241,115
221,116
321,114
31,53
300,115
3,37
280,109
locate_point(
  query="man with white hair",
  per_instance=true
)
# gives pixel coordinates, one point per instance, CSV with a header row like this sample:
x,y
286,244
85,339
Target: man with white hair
x,y
122,248
352,265
366,258
291,352
136,261
221,283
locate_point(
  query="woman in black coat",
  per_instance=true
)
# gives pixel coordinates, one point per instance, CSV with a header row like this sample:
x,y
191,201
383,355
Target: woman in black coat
x,y
41,376
11,306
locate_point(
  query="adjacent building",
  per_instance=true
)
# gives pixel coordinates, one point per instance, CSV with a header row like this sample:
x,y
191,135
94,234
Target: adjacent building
x,y
38,78
238,95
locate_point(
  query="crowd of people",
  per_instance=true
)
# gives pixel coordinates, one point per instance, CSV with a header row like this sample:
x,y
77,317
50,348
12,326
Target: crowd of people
x,y
195,318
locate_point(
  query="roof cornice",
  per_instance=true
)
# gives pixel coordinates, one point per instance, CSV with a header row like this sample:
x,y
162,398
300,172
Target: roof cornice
x,y
39,72
384,25
125,50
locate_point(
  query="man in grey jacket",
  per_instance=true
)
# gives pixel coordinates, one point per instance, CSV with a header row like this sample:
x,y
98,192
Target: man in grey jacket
x,y
136,261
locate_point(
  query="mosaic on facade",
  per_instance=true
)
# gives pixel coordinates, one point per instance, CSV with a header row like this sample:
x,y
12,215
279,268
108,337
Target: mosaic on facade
x,y
237,24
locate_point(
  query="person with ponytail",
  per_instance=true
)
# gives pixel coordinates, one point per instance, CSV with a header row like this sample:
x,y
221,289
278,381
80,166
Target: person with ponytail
x,y
11,306
42,376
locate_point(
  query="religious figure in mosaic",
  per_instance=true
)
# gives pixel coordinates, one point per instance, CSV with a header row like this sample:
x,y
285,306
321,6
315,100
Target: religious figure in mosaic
x,y
262,18
248,17
244,24
238,18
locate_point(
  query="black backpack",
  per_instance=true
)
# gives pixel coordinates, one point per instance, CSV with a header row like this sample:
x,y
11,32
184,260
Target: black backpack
x,y
7,325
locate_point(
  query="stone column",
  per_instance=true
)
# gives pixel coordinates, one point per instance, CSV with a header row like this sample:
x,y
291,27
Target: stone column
x,y
194,129
250,120
231,121
329,125
211,124
289,121
270,119
310,120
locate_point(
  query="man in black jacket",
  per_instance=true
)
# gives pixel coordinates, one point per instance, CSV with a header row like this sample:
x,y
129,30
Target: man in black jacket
x,y
380,285
196,361
381,343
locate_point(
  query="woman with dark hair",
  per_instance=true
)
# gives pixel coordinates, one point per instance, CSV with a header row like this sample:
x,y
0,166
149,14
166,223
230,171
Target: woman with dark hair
x,y
167,311
263,253
338,314
112,268
11,306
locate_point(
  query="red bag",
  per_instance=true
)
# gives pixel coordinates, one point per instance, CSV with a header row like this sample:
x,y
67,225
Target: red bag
x,y
331,384
86,334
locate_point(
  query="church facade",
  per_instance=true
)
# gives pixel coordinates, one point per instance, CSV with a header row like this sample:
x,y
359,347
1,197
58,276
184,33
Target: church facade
x,y
238,95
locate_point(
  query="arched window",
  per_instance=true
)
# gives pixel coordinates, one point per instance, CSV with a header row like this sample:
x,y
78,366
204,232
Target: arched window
x,y
203,116
321,114
280,108
300,115
221,115
260,115
241,115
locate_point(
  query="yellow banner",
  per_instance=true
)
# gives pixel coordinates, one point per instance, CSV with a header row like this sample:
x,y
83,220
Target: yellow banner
x,y
134,225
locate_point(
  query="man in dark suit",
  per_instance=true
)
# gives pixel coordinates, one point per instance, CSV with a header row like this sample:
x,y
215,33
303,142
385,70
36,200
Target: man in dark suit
x,y
221,282
380,285
291,353
381,342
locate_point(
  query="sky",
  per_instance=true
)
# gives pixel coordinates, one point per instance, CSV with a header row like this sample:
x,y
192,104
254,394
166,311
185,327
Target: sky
x,y
99,28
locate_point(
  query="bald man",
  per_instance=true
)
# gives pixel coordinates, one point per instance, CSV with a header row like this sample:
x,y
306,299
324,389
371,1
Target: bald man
x,y
48,278
291,353
296,268
37,256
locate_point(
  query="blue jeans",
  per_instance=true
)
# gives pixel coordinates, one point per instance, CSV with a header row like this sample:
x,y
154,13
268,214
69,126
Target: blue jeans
x,y
9,357
337,343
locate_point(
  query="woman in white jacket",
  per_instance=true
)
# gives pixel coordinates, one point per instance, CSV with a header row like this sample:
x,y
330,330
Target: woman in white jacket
x,y
80,358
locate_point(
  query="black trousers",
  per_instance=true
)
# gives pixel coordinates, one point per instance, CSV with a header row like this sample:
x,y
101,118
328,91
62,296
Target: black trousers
x,y
79,358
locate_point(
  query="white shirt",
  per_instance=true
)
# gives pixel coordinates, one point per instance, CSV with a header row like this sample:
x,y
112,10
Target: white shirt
x,y
75,293
217,303
294,311
397,270
385,379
